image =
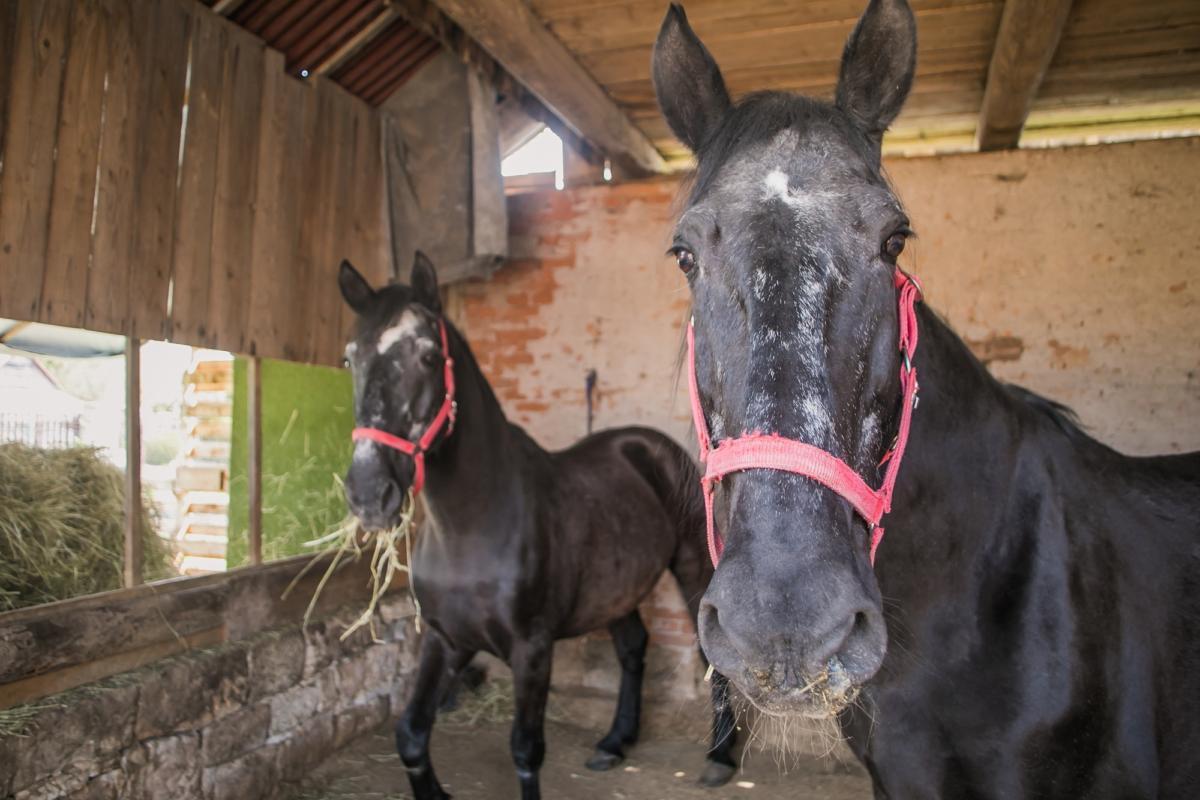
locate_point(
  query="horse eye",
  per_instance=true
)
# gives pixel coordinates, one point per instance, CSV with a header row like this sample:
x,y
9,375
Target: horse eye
x,y
894,246
346,362
685,258
431,359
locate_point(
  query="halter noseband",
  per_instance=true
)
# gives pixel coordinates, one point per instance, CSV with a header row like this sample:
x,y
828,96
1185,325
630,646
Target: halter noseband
x,y
771,451
444,419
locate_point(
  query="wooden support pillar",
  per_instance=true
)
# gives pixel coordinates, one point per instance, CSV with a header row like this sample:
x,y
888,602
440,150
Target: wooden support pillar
x,y
1025,45
254,467
517,39
133,462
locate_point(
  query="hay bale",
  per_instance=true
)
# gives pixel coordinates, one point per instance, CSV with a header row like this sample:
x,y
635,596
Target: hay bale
x,y
62,518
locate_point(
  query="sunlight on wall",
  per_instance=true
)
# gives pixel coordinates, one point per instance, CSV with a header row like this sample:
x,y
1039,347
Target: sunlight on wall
x,y
542,153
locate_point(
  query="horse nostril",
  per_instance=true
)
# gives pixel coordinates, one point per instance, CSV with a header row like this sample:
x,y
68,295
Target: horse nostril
x,y
390,499
352,499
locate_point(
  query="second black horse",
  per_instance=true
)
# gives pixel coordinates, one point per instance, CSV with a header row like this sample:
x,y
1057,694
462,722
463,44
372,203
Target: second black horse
x,y
520,546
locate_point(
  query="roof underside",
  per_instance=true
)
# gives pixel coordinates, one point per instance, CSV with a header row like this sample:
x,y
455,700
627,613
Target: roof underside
x,y
363,45
1121,67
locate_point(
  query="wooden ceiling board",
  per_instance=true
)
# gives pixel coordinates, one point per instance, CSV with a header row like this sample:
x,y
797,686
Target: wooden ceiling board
x,y
1112,53
586,36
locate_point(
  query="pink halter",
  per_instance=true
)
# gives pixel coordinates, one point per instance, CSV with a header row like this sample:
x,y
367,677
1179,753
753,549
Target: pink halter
x,y
771,451
445,418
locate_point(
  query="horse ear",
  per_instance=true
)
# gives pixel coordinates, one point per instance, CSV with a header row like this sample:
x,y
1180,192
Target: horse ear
x,y
357,293
424,283
690,89
878,65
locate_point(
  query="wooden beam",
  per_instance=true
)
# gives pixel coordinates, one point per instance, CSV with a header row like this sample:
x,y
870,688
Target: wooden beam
x,y
226,7
509,31
1025,45
84,639
133,461
358,41
254,467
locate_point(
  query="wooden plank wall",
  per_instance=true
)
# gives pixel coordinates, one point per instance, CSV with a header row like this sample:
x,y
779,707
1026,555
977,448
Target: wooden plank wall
x,y
164,178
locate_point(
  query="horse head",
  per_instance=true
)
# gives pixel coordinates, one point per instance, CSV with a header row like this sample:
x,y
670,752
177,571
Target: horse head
x,y
399,363
789,242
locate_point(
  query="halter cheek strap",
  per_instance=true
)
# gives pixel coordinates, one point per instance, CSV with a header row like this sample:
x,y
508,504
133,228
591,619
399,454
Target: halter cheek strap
x,y
444,419
771,451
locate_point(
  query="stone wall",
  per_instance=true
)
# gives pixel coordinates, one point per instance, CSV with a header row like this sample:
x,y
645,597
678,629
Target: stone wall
x,y
228,723
1069,271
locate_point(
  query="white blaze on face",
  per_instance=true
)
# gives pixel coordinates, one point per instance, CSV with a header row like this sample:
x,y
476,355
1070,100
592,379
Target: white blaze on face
x,y
776,184
808,205
363,449
404,327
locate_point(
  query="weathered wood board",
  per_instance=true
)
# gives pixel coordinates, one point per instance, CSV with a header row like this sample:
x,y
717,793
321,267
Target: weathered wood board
x,y
165,178
54,647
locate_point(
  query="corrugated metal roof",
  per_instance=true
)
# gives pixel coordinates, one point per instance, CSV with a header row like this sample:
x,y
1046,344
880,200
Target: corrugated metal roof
x,y
363,45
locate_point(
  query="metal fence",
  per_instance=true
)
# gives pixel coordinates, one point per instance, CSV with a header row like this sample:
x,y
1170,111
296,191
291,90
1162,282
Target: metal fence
x,y
38,431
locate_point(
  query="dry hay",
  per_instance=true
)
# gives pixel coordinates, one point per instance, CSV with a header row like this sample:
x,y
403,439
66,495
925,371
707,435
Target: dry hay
x,y
347,543
62,519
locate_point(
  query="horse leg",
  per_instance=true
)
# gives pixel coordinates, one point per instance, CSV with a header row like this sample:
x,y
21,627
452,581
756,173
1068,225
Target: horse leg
x,y
693,570
630,638
469,678
721,765
438,662
530,661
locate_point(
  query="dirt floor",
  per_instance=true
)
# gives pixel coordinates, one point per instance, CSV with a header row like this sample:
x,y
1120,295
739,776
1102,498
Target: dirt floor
x,y
470,754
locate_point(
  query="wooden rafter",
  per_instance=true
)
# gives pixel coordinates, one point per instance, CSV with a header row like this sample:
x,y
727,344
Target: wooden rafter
x,y
429,20
357,42
509,31
1025,45
226,7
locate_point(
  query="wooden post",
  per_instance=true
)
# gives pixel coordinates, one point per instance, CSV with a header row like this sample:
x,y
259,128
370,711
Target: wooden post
x,y
254,467
531,53
133,461
1025,45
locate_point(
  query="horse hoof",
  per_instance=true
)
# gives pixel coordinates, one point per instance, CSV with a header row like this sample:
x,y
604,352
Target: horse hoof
x,y
716,774
602,761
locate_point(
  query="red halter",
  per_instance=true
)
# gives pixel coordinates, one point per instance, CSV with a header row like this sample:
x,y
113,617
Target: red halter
x,y
771,451
445,418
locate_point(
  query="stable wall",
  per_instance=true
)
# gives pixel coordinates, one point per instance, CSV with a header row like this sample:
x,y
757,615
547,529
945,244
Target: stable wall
x,y
230,722
1070,271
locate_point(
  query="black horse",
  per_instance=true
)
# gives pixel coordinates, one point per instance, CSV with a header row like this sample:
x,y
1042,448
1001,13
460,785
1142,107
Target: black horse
x,y
1041,636
520,546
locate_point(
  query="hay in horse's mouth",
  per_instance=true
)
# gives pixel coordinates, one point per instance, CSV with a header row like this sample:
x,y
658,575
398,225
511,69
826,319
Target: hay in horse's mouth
x,y
347,542
823,696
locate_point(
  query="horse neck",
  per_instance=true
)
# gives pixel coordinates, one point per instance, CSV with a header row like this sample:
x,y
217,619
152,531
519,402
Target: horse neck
x,y
469,473
959,465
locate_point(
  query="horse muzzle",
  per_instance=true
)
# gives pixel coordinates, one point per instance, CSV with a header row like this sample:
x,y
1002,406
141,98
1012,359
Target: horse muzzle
x,y
375,489
795,651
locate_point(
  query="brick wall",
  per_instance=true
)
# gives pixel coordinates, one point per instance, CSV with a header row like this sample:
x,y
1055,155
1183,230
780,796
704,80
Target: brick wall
x,y
1068,270
228,723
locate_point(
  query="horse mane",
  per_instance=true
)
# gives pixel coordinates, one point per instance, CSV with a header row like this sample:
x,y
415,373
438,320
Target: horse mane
x,y
1063,416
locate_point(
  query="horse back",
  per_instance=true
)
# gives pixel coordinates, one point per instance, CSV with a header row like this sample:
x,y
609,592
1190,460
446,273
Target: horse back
x,y
619,502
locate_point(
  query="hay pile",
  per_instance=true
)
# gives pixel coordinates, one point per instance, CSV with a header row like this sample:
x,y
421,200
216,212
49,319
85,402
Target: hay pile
x,y
62,517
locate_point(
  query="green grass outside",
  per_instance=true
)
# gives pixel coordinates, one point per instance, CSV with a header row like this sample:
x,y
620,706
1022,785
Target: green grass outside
x,y
307,417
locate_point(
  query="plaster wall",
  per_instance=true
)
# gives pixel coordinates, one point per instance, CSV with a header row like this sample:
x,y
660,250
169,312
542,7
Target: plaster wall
x,y
1070,271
